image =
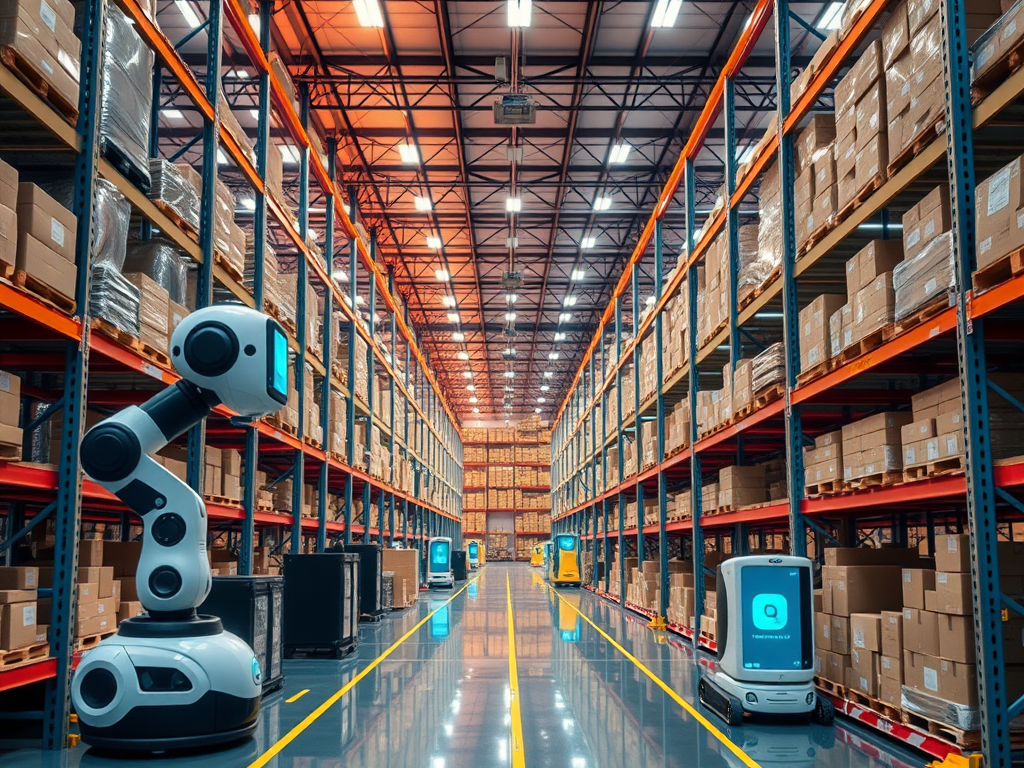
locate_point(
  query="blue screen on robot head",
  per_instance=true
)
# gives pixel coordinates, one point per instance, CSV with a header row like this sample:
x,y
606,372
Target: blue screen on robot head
x,y
277,362
776,619
439,557
567,543
474,550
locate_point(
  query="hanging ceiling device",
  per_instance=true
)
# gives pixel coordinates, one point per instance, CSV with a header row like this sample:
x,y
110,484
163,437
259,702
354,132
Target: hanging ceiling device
x,y
515,109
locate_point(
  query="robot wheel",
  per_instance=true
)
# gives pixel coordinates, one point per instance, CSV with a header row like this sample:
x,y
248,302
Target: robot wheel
x,y
824,712
727,707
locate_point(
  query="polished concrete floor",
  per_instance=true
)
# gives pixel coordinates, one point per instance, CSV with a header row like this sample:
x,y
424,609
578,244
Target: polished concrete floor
x,y
441,698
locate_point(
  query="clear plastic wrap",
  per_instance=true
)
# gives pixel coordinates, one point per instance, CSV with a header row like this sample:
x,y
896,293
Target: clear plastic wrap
x,y
927,275
114,299
768,369
769,233
113,215
171,187
162,261
940,710
127,95
1001,38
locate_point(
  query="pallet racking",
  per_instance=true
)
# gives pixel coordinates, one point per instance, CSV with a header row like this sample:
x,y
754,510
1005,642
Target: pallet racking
x,y
952,340
68,362
502,477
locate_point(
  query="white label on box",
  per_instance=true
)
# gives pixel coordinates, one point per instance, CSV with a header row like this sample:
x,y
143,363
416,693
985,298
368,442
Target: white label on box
x,y
858,638
930,285
825,633
952,445
907,576
5,381
985,245
933,450
47,14
931,679
913,238
929,229
998,192
906,614
951,544
28,615
905,89
941,578
909,458
886,663
864,684
47,65
30,579
57,232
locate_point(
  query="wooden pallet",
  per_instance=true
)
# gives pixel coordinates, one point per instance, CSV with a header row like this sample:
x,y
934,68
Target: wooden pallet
x,y
10,452
865,192
156,355
770,395
279,425
872,341
915,148
6,270
176,218
18,656
226,501
54,298
960,737
936,306
26,71
934,469
1007,63
228,266
876,480
887,711
991,275
91,641
836,689
748,299
825,489
817,236
814,372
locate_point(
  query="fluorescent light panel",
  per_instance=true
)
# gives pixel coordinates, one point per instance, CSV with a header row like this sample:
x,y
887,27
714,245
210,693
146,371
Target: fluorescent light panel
x,y
433,243
602,203
458,336
423,203
519,12
172,114
368,12
441,275
448,301
588,242
619,153
569,301
578,274
832,18
188,13
409,153
513,204
665,13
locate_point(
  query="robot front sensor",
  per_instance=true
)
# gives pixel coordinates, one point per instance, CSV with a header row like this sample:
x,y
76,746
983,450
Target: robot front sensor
x,y
170,678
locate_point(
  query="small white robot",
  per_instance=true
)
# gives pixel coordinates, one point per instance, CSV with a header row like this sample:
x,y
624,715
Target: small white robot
x,y
439,562
170,678
765,641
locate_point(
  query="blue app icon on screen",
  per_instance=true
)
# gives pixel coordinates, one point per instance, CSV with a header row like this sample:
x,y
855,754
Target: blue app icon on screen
x,y
770,612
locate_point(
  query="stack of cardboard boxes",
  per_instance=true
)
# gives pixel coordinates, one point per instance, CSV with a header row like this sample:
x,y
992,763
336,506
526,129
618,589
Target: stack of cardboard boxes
x,y
46,233
873,446
872,301
42,35
1000,222
856,582
862,146
815,344
926,272
10,412
815,189
19,614
741,486
936,432
823,464
154,311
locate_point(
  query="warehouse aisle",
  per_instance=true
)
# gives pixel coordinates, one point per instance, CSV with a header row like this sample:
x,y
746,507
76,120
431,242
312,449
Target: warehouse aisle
x,y
441,697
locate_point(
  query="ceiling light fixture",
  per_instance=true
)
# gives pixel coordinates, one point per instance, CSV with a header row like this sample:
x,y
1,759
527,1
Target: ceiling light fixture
x,y
339,275
434,243
569,301
552,355
588,242
619,153
602,203
463,355
511,316
565,317
519,12
368,12
453,317
458,336
511,298
559,336
222,159
649,300
476,410
188,13
448,301
541,399
359,299
471,388
409,153
513,204
423,203
536,410
248,204
254,22
510,375
665,13
578,274
172,114
544,387
548,374
467,374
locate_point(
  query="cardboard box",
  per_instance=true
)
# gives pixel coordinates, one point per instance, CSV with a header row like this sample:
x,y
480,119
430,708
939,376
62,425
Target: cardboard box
x,y
815,347
17,625
838,556
8,235
891,692
952,594
19,577
90,553
875,259
405,564
956,638
865,589
822,632
839,634
916,581
8,596
865,671
895,35
128,609
891,668
46,266
46,220
921,631
866,631
123,556
871,120
953,553
8,186
838,664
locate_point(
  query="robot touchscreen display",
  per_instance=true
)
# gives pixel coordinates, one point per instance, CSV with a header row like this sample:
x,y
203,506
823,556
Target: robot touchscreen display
x,y
278,361
775,618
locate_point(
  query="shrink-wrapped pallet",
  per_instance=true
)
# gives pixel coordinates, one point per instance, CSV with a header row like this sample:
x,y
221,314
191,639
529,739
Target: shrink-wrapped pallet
x,y
918,281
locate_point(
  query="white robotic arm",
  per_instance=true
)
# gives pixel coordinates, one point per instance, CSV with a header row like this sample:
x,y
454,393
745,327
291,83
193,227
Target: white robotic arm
x,y
169,678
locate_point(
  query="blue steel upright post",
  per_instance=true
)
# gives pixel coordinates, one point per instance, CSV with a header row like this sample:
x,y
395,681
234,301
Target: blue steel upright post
x,y
370,378
637,432
659,376
350,411
790,309
326,400
68,509
621,534
693,381
995,709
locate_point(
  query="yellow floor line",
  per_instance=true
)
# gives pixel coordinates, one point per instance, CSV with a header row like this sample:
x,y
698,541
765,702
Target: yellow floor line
x,y
747,759
518,755
297,696
312,717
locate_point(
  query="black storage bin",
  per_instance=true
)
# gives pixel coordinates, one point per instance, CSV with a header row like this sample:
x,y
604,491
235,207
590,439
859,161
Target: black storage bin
x,y
321,604
459,564
252,608
371,569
